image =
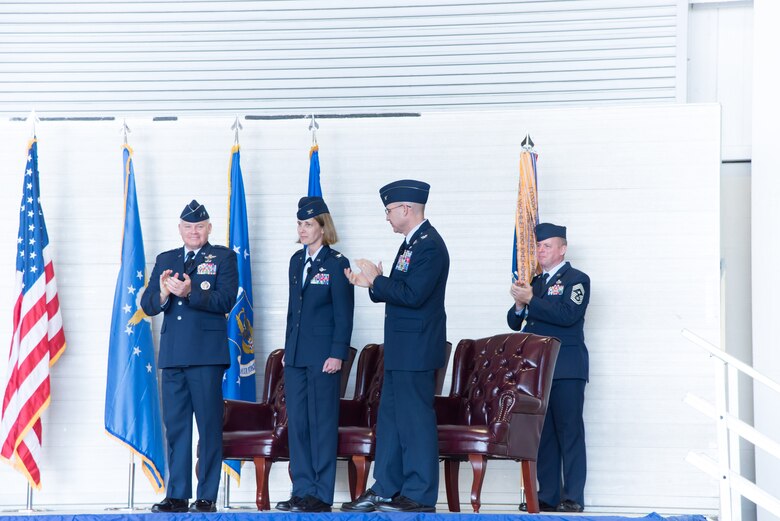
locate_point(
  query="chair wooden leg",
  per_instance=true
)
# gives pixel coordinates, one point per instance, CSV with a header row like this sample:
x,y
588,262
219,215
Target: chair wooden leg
x,y
362,466
351,478
529,486
262,471
478,464
451,467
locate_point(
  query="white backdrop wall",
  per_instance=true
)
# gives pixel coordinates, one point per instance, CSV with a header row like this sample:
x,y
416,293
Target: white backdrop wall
x,y
638,188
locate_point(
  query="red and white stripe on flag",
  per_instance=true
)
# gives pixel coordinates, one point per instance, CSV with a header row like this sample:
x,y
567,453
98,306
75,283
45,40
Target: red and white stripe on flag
x,y
38,339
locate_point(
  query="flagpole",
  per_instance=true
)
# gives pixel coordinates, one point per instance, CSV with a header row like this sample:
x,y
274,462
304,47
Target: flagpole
x,y
243,281
226,491
131,483
29,498
130,488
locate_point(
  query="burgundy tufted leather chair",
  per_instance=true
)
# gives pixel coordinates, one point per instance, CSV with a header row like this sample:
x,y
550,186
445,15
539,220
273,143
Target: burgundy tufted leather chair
x,y
258,431
357,417
496,409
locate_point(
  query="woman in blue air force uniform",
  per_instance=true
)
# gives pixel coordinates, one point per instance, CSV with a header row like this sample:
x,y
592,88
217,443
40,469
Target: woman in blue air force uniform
x,y
319,328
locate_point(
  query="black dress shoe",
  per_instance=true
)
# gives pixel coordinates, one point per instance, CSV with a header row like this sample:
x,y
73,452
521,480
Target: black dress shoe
x,y
404,504
170,504
569,505
365,502
310,504
543,507
285,506
203,505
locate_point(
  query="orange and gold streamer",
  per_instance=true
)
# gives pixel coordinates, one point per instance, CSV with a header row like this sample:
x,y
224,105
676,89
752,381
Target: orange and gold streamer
x,y
526,218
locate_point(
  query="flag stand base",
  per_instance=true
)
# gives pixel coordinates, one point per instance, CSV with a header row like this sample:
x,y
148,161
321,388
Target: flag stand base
x,y
28,509
226,495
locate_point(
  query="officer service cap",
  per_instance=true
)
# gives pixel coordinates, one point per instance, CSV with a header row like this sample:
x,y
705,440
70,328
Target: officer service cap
x,y
194,212
309,207
546,230
405,191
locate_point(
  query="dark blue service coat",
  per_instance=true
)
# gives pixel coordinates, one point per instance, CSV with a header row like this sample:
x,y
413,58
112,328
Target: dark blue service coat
x,y
413,293
319,311
193,356
558,310
194,331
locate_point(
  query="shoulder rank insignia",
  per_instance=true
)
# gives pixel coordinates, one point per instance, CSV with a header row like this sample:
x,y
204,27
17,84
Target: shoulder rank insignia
x,y
578,294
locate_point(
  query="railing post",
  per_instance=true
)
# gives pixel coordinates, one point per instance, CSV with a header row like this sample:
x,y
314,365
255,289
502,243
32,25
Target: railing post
x,y
722,429
735,456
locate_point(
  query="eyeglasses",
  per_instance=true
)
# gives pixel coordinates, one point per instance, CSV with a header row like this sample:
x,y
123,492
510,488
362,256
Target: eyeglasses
x,y
388,210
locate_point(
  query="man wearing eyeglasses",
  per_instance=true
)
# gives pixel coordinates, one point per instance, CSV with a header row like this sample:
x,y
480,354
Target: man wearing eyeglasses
x,y
406,472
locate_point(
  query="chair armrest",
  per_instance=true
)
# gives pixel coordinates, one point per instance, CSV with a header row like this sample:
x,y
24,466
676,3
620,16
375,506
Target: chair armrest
x,y
522,435
352,413
447,410
517,410
247,416
526,404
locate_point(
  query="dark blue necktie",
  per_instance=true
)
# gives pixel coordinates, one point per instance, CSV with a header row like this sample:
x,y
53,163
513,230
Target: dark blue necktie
x,y
189,261
306,270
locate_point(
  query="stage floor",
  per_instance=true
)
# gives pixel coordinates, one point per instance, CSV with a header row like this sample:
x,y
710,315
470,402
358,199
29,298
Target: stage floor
x,y
249,515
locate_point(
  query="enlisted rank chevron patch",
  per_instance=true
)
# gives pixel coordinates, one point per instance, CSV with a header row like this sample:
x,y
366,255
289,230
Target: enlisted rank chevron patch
x,y
578,294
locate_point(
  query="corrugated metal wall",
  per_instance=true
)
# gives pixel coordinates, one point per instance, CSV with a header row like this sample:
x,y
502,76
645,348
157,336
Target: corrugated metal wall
x,y
178,57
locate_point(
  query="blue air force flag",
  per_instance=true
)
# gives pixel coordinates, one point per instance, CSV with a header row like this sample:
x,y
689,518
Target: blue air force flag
x,y
238,382
132,413
314,172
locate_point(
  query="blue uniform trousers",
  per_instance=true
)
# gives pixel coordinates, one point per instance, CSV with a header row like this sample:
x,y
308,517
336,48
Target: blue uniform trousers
x,y
313,429
187,390
407,457
562,446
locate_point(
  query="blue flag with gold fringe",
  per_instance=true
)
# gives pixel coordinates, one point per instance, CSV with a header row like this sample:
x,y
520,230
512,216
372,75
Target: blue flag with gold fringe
x,y
132,414
314,172
238,382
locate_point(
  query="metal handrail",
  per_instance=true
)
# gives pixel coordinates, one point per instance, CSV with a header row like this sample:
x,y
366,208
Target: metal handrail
x,y
732,482
739,364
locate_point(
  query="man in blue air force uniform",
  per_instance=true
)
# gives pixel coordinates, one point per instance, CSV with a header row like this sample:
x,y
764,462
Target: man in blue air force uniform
x,y
554,305
194,287
407,454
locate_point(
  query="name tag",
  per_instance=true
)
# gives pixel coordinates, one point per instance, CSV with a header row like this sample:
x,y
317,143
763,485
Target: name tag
x,y
322,279
555,289
403,261
207,268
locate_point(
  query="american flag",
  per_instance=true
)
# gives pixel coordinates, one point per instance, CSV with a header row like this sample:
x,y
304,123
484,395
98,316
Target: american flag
x,y
38,339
